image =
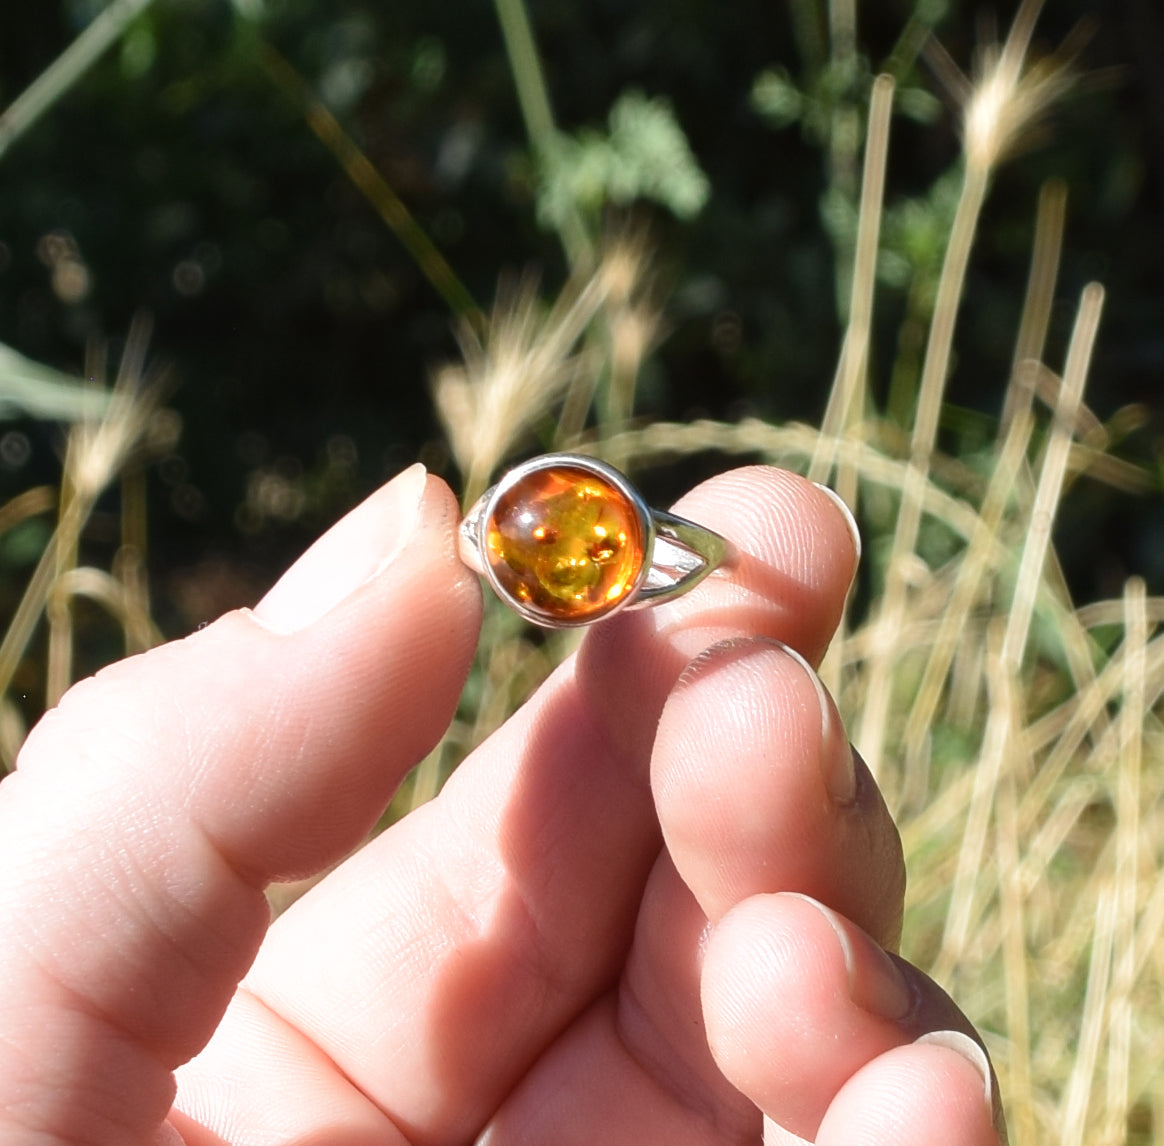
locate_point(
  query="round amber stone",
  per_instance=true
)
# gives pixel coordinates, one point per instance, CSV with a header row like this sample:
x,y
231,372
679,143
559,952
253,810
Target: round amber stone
x,y
566,543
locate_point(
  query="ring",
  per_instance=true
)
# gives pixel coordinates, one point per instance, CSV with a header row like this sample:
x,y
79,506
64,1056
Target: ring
x,y
567,540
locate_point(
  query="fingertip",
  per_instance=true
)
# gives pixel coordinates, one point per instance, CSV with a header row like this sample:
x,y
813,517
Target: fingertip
x,y
733,756
846,513
795,1000
164,792
758,790
915,1095
800,550
813,1021
969,1049
281,732
359,547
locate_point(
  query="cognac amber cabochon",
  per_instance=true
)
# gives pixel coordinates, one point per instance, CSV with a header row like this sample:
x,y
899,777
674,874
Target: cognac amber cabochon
x,y
566,543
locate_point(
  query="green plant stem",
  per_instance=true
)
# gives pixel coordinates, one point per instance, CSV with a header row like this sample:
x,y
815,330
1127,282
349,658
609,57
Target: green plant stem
x,y
103,31
918,29
806,29
533,97
844,132
374,187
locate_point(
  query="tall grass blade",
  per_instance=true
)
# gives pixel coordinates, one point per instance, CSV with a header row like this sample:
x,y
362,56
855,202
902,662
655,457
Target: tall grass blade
x,y
1040,293
375,188
1113,1130
64,72
534,99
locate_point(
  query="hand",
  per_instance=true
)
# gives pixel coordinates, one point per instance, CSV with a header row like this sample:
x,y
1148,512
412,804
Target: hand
x,y
600,932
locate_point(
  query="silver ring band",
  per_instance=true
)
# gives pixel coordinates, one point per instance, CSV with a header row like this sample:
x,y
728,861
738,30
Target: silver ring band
x,y
566,540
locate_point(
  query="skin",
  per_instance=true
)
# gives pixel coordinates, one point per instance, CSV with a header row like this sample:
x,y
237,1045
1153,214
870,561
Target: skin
x,y
653,908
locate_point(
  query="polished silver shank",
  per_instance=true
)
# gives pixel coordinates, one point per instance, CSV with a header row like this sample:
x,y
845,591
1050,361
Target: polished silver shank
x,y
682,555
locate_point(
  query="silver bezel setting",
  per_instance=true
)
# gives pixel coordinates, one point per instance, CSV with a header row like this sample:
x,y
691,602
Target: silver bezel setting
x,y
677,554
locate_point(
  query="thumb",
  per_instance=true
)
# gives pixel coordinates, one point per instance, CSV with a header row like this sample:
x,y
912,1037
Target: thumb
x,y
150,808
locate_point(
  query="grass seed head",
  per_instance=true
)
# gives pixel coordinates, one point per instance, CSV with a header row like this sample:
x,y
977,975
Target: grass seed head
x,y
512,375
1006,106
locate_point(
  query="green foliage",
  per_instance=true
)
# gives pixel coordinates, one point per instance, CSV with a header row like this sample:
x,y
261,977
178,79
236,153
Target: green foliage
x,y
914,232
33,390
644,155
782,102
22,546
777,98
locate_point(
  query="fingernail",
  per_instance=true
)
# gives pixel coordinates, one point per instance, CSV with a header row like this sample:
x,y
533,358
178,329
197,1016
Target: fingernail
x,y
976,1056
836,754
355,549
875,983
846,513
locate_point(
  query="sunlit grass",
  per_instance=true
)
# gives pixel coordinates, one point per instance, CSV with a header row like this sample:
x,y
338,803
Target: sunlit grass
x,y
102,448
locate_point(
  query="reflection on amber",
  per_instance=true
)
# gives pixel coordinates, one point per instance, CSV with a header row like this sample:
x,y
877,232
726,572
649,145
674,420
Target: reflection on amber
x,y
566,543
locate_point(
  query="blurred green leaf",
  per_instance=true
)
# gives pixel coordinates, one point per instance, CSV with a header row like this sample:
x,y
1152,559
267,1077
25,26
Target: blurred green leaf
x,y
777,98
138,50
23,544
38,391
914,232
918,104
644,156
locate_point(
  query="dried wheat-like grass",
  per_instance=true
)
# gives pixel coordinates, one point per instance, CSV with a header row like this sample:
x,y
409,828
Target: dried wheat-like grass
x,y
512,376
97,451
1002,105
528,357
1032,823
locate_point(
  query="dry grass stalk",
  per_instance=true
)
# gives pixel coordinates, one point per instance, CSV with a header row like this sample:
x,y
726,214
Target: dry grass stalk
x,y
631,323
369,181
1113,1128
1027,584
997,110
1021,742
848,396
1037,930
96,452
515,373
971,587
1006,103
1031,339
1046,921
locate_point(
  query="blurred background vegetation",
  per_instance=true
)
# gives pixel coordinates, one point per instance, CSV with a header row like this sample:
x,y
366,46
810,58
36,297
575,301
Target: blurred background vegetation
x,y
179,176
